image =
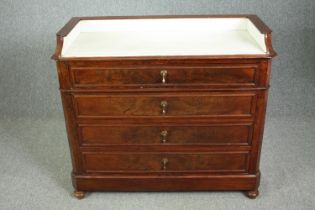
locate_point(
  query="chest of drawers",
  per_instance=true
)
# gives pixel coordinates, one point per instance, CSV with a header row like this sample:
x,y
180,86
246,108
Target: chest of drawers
x,y
165,103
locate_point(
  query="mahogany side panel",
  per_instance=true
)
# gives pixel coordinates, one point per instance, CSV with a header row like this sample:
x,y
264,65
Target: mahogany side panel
x,y
70,118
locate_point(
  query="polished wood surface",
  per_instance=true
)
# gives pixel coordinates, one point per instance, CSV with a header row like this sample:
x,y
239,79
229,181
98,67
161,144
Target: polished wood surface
x,y
168,183
166,162
225,134
216,75
218,104
208,138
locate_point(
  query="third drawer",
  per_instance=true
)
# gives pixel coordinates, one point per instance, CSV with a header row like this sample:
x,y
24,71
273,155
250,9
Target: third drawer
x,y
168,134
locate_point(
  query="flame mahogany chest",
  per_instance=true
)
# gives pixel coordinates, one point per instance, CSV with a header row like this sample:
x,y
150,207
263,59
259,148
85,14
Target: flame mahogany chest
x,y
165,103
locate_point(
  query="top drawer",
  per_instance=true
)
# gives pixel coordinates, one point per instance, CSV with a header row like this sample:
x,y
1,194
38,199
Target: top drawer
x,y
165,76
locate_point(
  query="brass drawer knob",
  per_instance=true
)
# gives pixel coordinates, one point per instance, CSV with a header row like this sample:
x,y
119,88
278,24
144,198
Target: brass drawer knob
x,y
164,105
164,163
163,75
164,134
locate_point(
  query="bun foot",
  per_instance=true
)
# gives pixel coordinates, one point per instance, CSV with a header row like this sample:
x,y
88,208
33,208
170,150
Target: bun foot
x,y
252,194
79,194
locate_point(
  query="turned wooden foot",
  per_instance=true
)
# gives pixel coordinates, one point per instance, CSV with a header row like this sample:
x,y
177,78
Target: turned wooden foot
x,y
79,194
252,194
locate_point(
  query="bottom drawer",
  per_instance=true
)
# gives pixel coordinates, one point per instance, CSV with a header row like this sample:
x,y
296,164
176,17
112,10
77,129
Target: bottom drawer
x,y
165,162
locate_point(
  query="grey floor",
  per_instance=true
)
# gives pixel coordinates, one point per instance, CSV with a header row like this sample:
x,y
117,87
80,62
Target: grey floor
x,y
35,172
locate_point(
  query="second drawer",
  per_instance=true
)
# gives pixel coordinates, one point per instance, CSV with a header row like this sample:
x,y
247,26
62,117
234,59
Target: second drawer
x,y
216,134
165,105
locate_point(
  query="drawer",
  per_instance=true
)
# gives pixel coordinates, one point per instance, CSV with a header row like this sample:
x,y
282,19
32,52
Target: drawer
x,y
165,162
92,135
206,104
221,75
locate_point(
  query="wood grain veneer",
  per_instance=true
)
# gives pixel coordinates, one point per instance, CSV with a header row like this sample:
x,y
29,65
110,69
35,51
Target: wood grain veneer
x,y
209,137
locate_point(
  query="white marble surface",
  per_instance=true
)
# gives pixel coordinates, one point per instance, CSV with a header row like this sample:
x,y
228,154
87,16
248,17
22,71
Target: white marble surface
x,y
158,37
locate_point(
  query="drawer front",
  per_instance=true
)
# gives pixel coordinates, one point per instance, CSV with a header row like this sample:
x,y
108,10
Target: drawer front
x,y
227,104
91,135
165,162
244,75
